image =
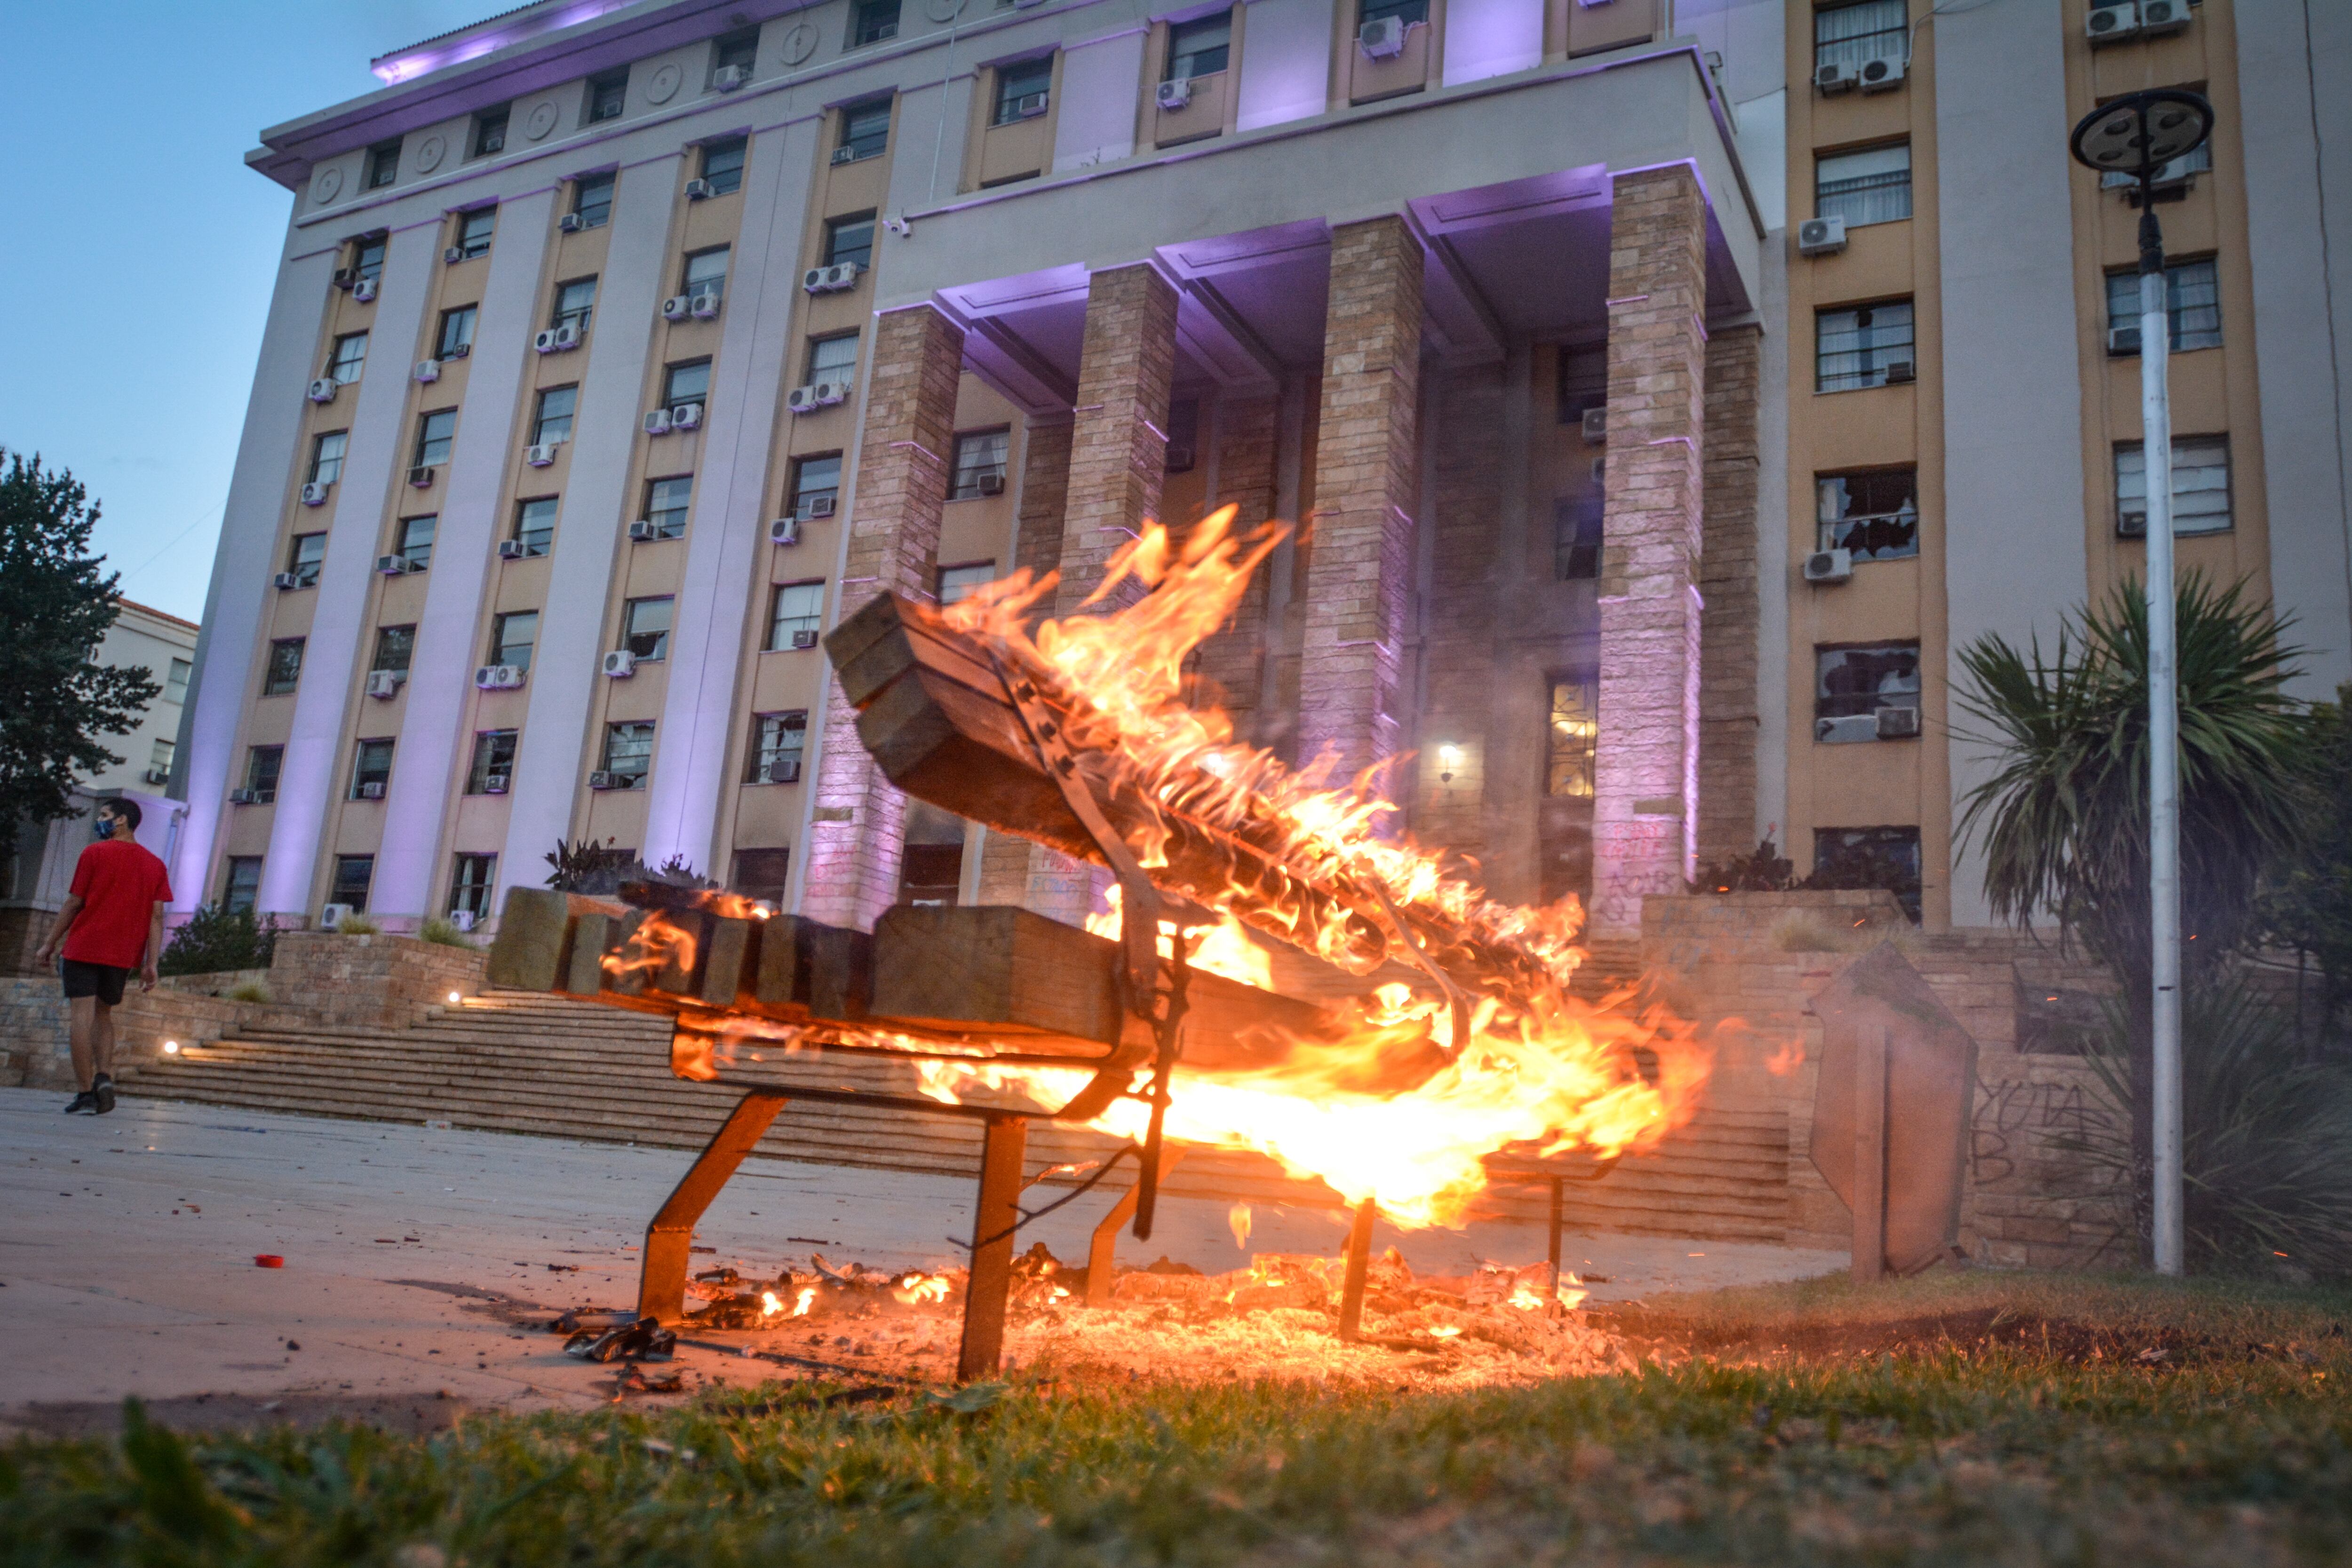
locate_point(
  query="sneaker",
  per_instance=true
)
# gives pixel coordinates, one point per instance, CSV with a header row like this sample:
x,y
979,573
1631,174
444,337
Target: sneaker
x,y
102,1090
87,1100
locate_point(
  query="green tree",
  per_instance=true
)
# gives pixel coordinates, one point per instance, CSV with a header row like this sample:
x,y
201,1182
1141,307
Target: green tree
x,y
2307,891
2062,824
53,607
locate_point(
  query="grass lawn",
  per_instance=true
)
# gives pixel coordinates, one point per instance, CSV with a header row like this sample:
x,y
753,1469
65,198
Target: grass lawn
x,y
1962,1418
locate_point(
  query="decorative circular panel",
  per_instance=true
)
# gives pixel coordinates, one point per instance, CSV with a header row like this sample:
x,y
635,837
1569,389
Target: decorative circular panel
x,y
663,86
429,153
542,121
797,45
327,184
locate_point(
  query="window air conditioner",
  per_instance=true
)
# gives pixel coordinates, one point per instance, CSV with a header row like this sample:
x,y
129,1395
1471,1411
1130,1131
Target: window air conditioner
x,y
1177,461
346,276
844,155
1596,422
453,254
1383,39
384,684
2162,18
544,342
830,280
286,581
727,79
1174,95
1030,105
510,550
457,351
643,530
1828,565
364,291
785,772
371,790
565,338
1884,74
657,422
1846,730
816,395
994,484
315,493
499,676
323,390
620,664
462,918
706,305
603,781
421,476
803,639
157,775
676,307
1820,236
244,796
821,506
427,370
393,566
1898,724
540,455
700,191
2123,342
494,783
686,416
784,530
1901,371
572,223
1832,79
331,916
2112,23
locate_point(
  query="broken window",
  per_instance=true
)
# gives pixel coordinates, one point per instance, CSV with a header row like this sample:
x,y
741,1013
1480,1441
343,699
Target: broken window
x,y
1854,686
1885,857
778,742
1867,345
1574,727
931,872
2201,486
1875,515
762,874
1576,534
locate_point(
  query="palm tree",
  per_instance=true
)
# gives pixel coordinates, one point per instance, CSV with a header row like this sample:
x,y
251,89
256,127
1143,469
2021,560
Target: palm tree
x,y
2062,824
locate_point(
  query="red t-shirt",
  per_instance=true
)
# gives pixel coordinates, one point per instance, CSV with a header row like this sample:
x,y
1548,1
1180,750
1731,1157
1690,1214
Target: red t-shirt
x,y
119,885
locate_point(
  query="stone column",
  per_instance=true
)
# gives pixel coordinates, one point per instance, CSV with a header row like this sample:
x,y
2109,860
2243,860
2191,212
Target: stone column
x,y
1360,560
1645,810
902,484
1728,646
1037,548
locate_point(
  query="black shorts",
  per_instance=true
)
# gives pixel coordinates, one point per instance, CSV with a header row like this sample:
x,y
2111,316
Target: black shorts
x,y
103,980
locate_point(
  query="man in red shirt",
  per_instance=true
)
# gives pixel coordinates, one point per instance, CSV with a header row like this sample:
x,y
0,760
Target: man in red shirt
x,y
111,924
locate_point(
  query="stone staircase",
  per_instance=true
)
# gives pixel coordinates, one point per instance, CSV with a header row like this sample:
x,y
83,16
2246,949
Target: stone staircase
x,y
550,1066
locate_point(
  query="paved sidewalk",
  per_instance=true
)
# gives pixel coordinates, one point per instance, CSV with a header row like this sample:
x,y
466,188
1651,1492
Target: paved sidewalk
x,y
126,1257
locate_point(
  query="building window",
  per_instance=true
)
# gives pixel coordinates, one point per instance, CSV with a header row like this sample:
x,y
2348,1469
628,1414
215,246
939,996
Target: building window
x,y
352,874
930,865
1873,186
303,559
535,526
866,127
1571,733
628,753
816,478
241,884
798,607
979,459
284,671
1576,535
550,421
688,382
872,21
723,165
416,541
2192,299
591,200
382,165
738,49
261,767
327,456
371,764
494,755
474,230
349,358
1852,35
1869,857
1852,686
666,501
574,302
456,339
1201,48
1860,347
175,680
608,95
762,874
1873,514
489,132
833,359
1022,89
394,647
2201,486
367,256
644,627
962,582
849,239
159,756
777,742
470,879
511,637
435,431
705,273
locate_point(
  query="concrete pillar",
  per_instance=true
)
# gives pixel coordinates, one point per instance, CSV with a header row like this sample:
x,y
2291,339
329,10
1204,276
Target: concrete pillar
x,y
856,818
1359,569
1036,548
1728,645
1645,810
1119,439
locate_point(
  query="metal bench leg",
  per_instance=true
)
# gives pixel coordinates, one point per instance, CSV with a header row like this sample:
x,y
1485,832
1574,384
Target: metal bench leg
x,y
994,1219
1359,1262
1102,1252
669,1240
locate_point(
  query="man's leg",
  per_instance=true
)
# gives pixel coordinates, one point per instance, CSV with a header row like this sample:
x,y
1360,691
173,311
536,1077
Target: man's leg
x,y
102,1039
83,1014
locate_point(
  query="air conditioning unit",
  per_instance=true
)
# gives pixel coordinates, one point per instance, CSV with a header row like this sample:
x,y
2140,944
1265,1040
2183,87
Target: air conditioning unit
x,y
727,79
2123,342
1832,79
620,664
1174,95
2132,523
1030,105
844,155
332,916
285,581
1846,730
1596,424
323,390
643,531
384,684
462,918
511,549
676,307
394,565
245,797
816,395
699,190
421,476
572,223
686,416
830,280
994,484
1901,370
346,276
821,506
1898,724
540,455
371,790
315,493
494,783
1884,74
1828,565
157,775
787,771
499,676
2162,18
454,253
1176,460
457,351
803,639
706,305
1820,236
1383,39
2112,23
784,530
364,291
657,422
427,370
604,780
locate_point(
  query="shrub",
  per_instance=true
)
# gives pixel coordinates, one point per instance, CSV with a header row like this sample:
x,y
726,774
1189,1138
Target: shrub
x,y
357,924
250,991
215,939
443,931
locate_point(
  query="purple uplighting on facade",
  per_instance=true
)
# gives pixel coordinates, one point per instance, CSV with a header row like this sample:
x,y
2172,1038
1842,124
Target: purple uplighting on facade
x,y
408,65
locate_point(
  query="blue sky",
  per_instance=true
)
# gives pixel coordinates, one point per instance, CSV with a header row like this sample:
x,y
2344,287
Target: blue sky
x,y
136,265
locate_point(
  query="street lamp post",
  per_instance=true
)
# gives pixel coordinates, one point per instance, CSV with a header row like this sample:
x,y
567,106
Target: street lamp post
x,y
2137,134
